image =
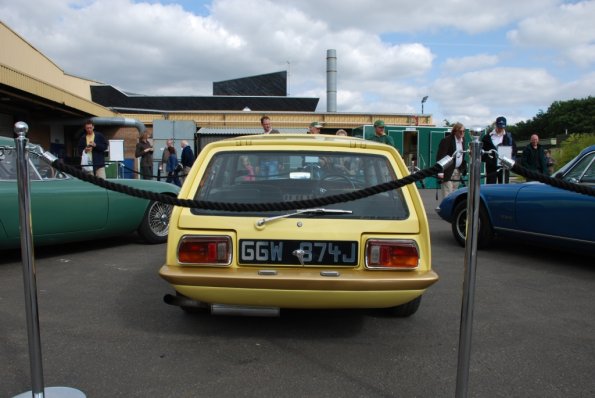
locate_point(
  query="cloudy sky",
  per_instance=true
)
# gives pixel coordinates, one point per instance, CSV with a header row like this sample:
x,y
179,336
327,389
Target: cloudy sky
x,y
474,59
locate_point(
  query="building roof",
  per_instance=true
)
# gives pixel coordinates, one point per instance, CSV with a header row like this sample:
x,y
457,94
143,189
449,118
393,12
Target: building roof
x,y
235,131
115,99
271,84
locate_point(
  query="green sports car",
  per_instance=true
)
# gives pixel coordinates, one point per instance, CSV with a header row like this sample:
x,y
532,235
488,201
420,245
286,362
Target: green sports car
x,y
66,209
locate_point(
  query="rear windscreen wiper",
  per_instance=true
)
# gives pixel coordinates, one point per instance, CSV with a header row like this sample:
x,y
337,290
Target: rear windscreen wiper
x,y
265,220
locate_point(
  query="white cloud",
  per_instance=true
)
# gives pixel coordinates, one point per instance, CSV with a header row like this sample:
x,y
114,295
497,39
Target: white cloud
x,y
482,94
380,16
580,88
568,28
455,65
386,62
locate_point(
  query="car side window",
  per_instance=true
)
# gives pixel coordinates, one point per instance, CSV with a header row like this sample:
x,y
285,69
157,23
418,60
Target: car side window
x,y
589,175
583,171
8,166
7,171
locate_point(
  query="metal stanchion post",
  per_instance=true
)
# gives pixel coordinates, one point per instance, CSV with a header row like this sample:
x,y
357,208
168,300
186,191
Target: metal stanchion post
x,y
38,390
470,267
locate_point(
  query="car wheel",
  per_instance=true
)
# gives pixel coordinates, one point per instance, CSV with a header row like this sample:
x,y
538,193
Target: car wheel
x,y
405,310
155,224
459,226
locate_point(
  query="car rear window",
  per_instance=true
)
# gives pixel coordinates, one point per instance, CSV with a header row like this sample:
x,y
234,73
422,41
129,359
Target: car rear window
x,y
264,177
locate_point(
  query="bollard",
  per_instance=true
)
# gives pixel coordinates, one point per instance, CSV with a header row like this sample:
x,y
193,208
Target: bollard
x,y
470,266
32,314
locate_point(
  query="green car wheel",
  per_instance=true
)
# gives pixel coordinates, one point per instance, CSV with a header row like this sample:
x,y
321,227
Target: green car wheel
x,y
155,225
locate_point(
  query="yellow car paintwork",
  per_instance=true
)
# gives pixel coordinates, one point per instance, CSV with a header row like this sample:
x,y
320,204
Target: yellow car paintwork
x,y
291,286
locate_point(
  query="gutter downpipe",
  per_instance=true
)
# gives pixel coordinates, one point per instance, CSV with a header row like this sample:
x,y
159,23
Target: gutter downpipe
x,y
120,121
106,121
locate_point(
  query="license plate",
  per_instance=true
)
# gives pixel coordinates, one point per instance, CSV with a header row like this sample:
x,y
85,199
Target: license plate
x,y
298,252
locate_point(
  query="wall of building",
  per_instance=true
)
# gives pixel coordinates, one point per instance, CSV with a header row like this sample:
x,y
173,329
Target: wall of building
x,y
21,56
282,120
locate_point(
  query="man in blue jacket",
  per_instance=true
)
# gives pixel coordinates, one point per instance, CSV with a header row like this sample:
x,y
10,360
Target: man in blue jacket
x,y
187,159
94,144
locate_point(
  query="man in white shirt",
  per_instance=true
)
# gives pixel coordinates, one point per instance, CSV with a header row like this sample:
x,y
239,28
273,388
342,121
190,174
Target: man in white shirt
x,y
497,138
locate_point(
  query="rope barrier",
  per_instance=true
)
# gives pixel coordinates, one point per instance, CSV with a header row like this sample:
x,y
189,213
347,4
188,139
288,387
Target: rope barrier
x,y
555,182
124,167
248,207
307,203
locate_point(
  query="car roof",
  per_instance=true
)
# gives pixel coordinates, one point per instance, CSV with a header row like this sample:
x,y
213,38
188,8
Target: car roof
x,y
7,141
288,140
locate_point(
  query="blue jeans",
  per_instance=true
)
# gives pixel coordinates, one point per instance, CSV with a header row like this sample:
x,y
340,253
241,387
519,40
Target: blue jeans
x,y
268,168
173,177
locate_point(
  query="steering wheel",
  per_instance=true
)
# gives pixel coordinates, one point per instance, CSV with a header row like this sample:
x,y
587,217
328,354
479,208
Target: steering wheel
x,y
335,178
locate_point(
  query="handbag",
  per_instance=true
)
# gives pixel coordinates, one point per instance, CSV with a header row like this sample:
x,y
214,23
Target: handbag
x,y
179,168
86,163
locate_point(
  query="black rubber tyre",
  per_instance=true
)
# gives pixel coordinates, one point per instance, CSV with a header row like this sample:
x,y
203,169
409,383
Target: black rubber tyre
x,y
405,310
155,225
459,226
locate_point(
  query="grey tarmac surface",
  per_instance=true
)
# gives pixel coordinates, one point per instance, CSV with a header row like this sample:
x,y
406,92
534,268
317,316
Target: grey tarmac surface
x,y
106,331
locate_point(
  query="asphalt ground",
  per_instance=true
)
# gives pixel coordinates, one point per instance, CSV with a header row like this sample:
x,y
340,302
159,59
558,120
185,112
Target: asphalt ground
x,y
106,331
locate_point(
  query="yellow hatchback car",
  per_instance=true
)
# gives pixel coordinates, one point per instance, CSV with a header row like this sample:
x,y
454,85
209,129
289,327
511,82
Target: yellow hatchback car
x,y
370,252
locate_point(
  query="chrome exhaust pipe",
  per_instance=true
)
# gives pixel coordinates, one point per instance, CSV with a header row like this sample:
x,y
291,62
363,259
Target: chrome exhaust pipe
x,y
222,309
240,310
181,301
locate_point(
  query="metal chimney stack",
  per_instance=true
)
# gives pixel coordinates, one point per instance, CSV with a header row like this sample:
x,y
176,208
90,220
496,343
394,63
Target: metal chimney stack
x,y
331,80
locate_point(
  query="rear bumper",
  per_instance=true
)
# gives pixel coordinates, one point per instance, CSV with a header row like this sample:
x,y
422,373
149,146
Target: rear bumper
x,y
299,279
299,288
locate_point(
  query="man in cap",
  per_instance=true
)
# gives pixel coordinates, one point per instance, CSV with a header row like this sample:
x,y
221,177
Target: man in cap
x,y
314,128
380,135
496,139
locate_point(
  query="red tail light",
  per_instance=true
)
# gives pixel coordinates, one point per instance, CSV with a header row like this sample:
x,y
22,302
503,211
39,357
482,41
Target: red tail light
x,y
205,250
391,254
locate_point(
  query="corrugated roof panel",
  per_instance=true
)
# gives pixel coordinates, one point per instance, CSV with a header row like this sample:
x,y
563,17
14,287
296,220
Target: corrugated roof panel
x,y
246,131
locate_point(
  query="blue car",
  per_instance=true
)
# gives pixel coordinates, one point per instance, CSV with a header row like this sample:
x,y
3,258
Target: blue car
x,y
532,211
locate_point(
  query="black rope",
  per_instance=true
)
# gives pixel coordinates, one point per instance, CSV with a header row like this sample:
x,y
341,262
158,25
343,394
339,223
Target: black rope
x,y
555,182
248,207
493,173
302,204
152,176
533,175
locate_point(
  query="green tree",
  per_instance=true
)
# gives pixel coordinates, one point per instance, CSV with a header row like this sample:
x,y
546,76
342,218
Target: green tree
x,y
571,147
562,117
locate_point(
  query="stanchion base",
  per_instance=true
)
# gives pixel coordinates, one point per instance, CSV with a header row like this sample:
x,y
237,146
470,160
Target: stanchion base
x,y
54,392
